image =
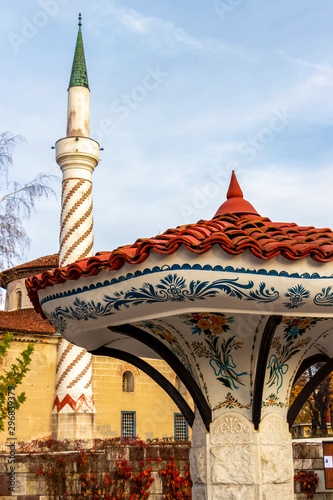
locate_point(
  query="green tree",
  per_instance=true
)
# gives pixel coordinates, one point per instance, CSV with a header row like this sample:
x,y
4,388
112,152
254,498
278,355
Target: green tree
x,y
11,378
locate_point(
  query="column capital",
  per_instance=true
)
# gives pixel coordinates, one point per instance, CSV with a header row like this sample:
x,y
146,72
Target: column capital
x,y
77,156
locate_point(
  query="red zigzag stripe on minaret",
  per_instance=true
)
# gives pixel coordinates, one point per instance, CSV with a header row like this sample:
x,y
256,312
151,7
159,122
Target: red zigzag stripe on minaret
x,y
75,405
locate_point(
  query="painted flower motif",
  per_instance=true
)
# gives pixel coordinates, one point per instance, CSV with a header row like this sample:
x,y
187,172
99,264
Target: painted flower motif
x,y
217,319
217,330
294,332
207,323
229,400
204,324
296,296
174,285
163,333
306,322
82,309
271,399
276,343
201,350
297,326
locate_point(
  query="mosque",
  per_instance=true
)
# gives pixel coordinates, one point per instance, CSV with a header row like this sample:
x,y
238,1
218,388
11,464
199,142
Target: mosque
x,y
222,314
70,393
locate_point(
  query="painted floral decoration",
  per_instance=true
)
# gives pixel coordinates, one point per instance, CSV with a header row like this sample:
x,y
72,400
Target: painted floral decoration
x,y
296,296
218,350
208,323
297,326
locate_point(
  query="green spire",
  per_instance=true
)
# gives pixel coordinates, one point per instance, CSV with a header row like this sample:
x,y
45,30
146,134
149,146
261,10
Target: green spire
x,y
79,75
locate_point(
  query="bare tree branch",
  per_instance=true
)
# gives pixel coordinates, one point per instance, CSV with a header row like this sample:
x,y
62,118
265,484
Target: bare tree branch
x,y
17,202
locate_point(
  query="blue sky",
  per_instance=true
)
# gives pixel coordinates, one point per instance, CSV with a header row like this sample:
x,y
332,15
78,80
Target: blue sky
x,y
181,93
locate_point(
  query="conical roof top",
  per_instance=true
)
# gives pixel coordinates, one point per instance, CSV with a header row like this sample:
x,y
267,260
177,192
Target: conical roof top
x,y
235,203
79,76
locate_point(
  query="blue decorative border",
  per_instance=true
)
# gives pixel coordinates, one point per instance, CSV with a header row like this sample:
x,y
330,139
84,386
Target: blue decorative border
x,y
175,267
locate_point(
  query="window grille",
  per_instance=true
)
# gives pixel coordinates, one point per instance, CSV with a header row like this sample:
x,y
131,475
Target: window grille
x,y
128,424
181,427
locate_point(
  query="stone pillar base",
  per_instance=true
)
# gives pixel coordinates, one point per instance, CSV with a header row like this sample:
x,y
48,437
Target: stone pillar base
x,y
235,462
73,426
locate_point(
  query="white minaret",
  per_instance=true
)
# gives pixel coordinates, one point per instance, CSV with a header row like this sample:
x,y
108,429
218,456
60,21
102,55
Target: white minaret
x,y
77,155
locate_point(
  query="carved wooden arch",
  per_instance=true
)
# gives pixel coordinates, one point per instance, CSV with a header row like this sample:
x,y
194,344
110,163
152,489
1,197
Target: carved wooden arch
x,y
175,364
127,367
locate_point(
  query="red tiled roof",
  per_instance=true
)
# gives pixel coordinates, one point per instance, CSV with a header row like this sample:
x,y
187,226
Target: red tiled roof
x,y
25,321
28,268
233,232
47,261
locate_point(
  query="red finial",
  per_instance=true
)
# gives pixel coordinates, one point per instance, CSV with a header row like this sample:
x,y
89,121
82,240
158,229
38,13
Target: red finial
x,y
235,203
234,190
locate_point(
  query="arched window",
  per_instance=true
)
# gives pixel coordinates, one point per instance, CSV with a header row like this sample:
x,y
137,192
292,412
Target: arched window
x,y
19,299
180,386
128,382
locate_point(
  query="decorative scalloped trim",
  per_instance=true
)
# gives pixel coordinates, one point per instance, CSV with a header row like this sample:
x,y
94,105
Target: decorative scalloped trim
x,y
186,267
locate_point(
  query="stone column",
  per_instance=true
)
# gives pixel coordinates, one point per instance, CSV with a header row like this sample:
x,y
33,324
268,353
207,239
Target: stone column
x,y
235,462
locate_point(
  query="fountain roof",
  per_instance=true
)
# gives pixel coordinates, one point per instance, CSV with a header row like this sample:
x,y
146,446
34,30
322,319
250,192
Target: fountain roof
x,y
236,227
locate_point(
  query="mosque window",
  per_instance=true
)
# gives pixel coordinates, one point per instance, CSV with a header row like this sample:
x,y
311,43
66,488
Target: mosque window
x,y
19,299
128,424
180,386
181,427
128,382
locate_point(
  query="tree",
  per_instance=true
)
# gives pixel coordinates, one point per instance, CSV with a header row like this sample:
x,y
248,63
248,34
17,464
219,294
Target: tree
x,y
16,202
318,404
10,379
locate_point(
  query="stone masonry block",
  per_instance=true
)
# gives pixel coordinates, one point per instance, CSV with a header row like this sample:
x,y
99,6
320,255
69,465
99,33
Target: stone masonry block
x,y
277,492
276,464
234,493
232,464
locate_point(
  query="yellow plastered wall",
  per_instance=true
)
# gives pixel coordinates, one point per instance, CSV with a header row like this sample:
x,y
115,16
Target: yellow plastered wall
x,y
33,419
154,408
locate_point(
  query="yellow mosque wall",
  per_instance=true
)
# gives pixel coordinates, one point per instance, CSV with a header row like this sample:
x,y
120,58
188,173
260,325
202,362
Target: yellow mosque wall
x,y
154,409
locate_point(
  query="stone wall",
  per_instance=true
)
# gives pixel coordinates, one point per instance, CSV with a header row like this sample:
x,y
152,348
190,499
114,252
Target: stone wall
x,y
30,486
308,455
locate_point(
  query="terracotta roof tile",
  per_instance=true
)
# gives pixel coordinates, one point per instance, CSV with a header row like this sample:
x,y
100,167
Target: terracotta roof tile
x,y
48,261
236,231
233,233
25,321
28,268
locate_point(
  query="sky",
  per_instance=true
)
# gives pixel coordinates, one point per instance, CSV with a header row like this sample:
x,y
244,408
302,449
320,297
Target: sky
x,y
182,93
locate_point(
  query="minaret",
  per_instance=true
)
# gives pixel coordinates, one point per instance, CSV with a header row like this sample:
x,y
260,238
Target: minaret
x,y
77,155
